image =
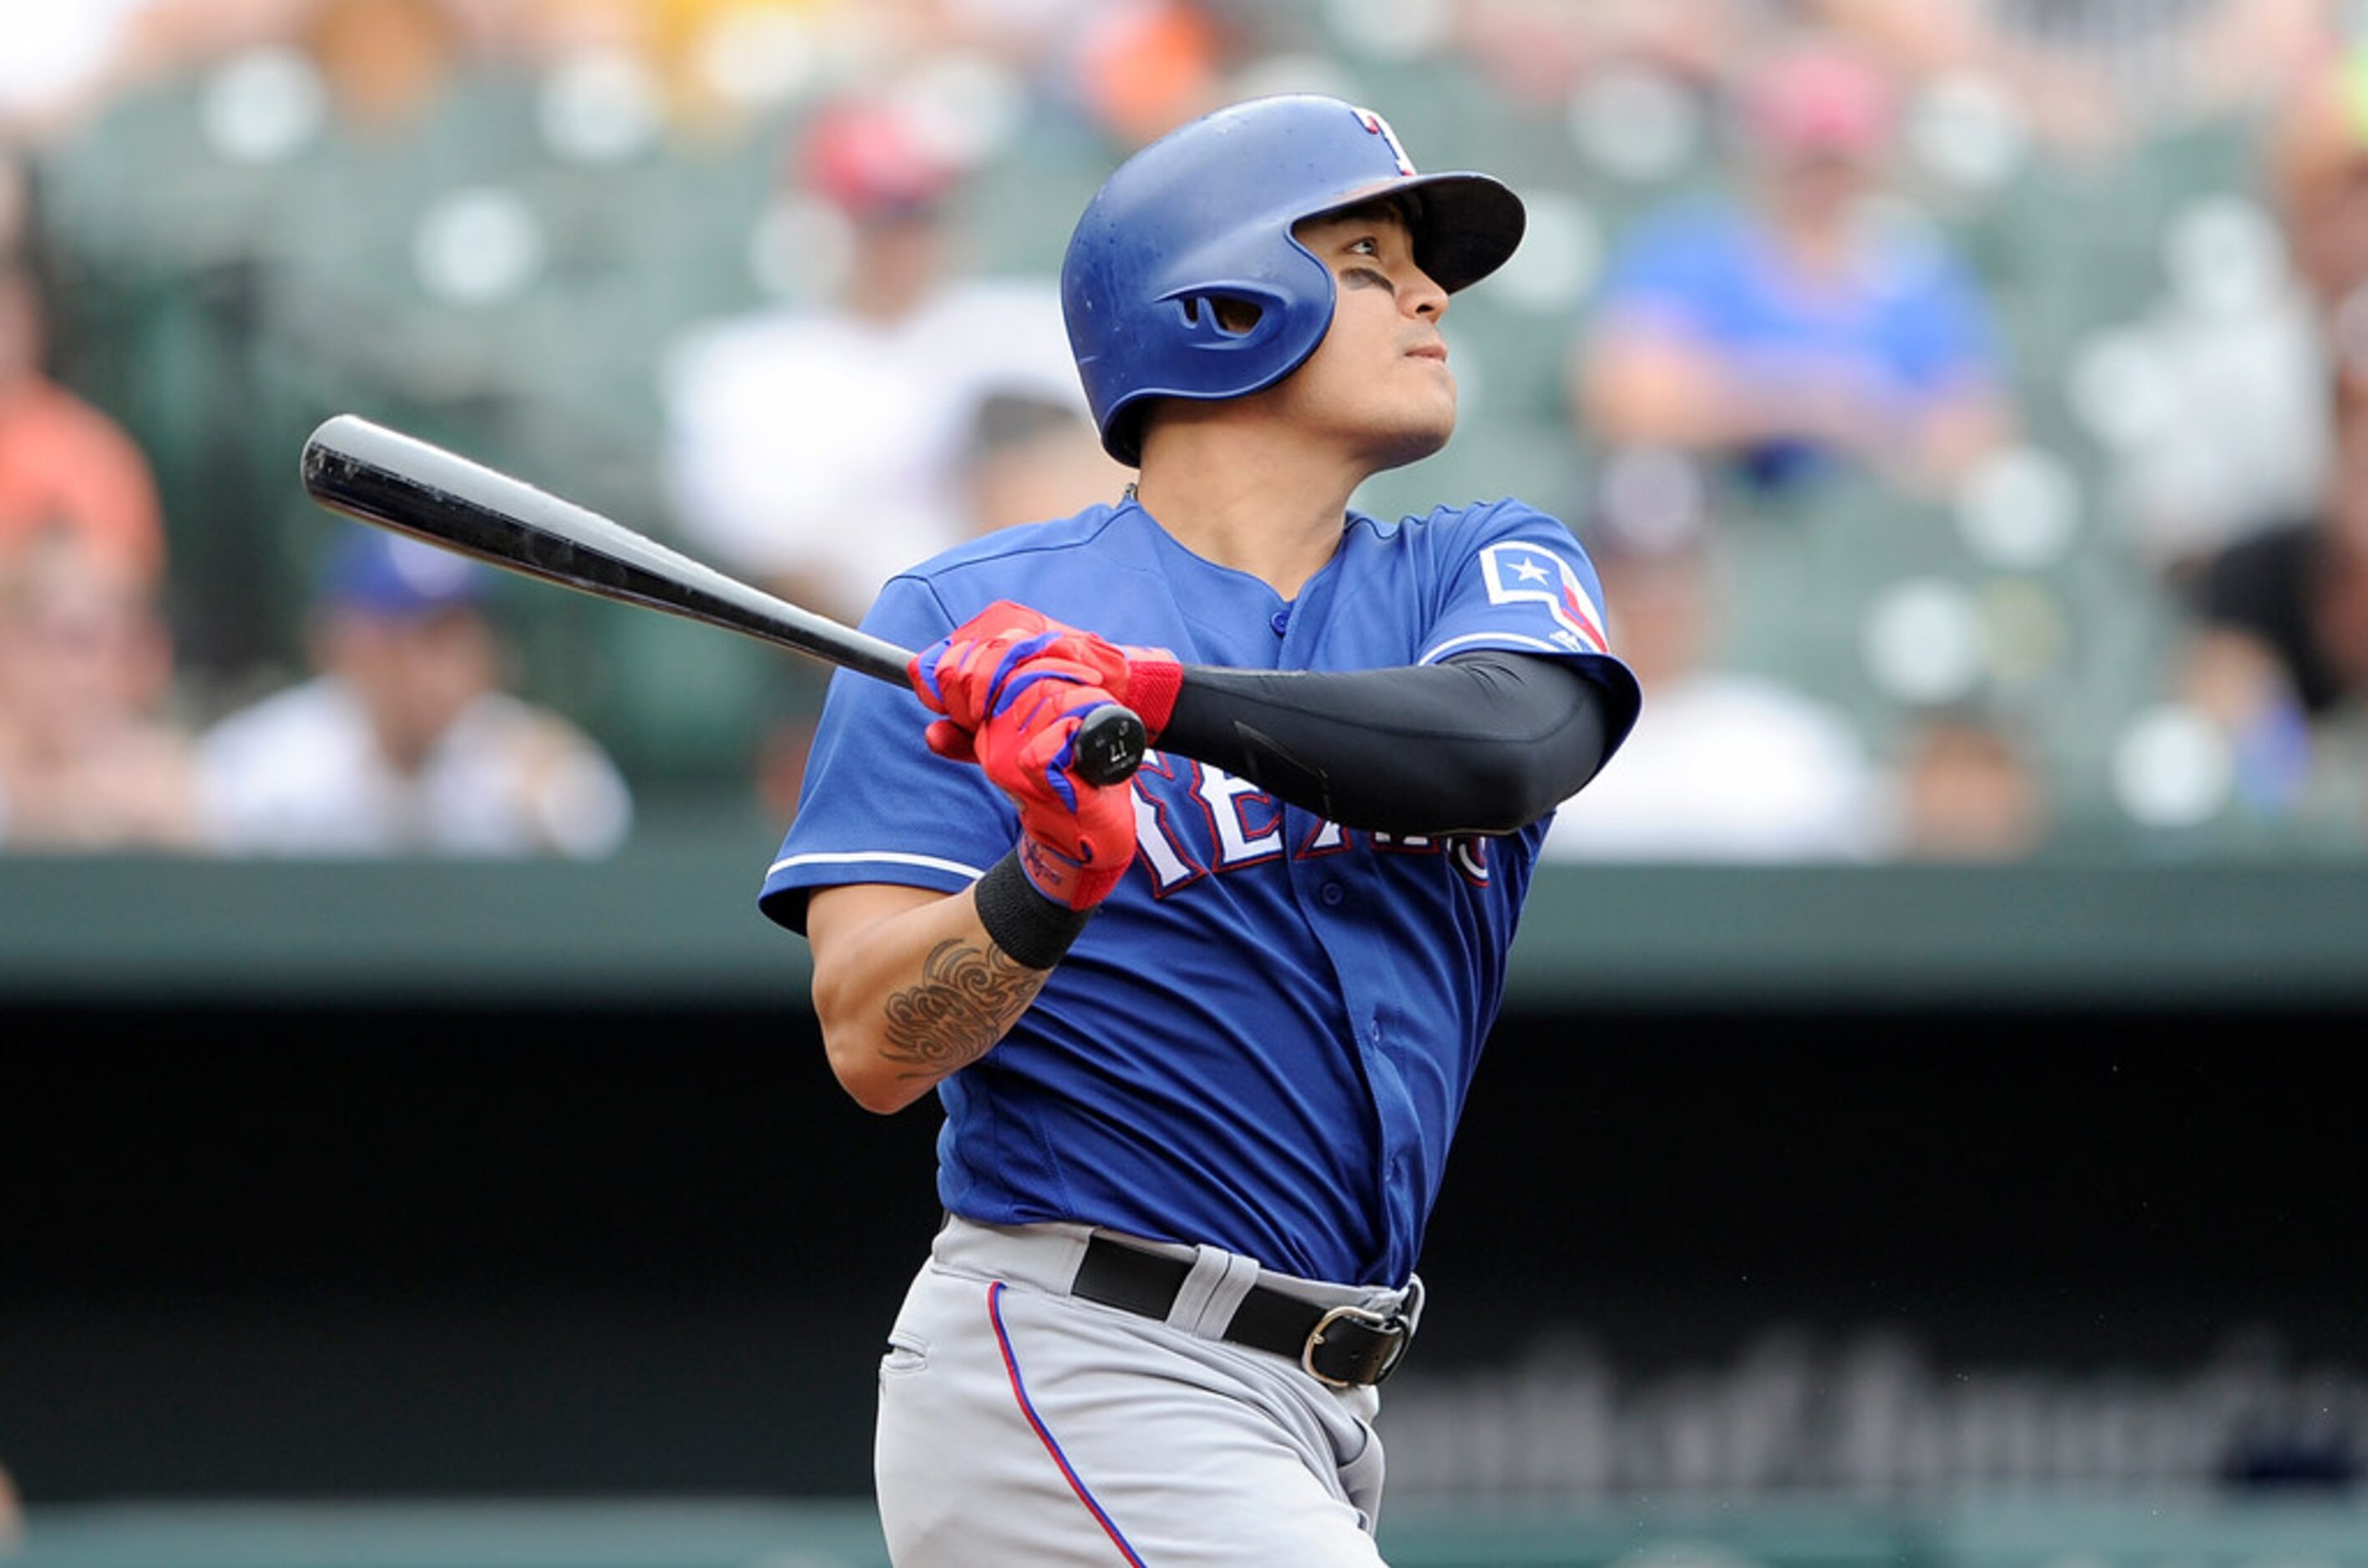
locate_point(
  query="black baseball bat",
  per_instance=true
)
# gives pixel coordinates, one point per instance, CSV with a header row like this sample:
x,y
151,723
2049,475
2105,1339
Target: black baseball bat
x,y
367,472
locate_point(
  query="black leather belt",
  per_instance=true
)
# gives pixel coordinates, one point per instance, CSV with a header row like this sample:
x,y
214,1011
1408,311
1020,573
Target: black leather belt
x,y
1342,1346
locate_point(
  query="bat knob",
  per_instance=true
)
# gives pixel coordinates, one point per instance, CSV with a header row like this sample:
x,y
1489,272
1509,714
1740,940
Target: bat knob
x,y
1109,745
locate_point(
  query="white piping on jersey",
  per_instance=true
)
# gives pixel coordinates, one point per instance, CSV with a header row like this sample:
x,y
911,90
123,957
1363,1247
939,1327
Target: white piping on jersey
x,y
927,862
1492,640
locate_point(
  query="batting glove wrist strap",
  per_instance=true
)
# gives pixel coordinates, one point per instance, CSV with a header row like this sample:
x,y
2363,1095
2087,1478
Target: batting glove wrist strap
x,y
1153,677
1031,927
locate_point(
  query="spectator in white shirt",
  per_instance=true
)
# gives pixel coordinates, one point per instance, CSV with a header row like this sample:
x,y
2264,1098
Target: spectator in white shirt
x,y
406,741
1725,764
820,446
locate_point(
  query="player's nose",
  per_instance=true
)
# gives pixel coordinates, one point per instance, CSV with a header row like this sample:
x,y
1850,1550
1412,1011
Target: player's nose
x,y
1419,296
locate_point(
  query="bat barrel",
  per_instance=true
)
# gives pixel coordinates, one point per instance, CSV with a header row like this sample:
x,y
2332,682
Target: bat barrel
x,y
383,477
398,481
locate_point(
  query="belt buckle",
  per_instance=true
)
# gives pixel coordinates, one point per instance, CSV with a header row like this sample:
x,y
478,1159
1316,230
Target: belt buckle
x,y
1383,1323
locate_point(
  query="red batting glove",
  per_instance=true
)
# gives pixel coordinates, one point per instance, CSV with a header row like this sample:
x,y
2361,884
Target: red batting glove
x,y
1076,839
964,675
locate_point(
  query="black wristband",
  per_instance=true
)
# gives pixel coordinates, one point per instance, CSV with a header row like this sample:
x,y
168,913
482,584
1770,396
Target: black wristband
x,y
1032,929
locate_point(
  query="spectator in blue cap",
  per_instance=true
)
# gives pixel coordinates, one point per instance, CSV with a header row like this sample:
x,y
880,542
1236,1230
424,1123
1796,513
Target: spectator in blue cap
x,y
406,739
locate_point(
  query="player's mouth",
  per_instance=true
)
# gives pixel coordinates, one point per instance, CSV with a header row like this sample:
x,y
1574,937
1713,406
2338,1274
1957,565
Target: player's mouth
x,y
1428,351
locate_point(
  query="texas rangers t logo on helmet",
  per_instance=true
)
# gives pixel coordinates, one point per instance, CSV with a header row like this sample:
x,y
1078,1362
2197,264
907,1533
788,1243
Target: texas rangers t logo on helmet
x,y
1517,571
1381,127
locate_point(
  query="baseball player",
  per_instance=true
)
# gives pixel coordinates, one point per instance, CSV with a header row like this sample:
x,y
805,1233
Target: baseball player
x,y
1200,1038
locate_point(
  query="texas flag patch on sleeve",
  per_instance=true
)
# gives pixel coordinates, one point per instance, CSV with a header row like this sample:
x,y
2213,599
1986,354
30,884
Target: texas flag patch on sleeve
x,y
1520,573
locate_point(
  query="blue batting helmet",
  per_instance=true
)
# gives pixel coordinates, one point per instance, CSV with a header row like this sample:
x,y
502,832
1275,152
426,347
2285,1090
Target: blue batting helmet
x,y
1205,213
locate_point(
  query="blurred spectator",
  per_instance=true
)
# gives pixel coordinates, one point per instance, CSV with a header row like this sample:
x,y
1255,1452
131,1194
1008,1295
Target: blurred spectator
x,y
1787,329
406,741
12,1516
819,448
91,758
384,63
1030,456
2280,657
1141,68
63,463
2239,349
1725,764
1966,791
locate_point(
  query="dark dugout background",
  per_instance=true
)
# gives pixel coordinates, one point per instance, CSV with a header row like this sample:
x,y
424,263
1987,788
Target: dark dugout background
x,y
299,1248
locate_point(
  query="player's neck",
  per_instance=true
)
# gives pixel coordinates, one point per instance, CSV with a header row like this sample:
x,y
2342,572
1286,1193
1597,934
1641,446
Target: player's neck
x,y
1255,501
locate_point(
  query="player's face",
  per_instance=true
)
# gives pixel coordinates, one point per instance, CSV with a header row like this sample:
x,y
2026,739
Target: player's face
x,y
1379,381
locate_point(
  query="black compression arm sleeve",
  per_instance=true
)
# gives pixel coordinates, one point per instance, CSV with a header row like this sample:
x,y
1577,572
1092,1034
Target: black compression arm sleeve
x,y
1481,743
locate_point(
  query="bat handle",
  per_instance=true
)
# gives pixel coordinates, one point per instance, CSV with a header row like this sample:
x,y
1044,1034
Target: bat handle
x,y
1109,745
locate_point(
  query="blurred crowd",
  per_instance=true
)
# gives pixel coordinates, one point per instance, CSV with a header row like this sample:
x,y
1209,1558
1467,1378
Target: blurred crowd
x,y
1962,401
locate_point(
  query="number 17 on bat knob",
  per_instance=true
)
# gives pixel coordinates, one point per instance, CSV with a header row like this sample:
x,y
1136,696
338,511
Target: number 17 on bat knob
x,y
1109,745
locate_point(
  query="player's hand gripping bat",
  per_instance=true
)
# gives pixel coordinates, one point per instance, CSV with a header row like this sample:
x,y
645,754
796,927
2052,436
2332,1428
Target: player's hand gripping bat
x,y
398,481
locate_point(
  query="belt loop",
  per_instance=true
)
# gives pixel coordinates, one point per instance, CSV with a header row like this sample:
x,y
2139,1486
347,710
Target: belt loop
x,y
1411,1308
1204,1304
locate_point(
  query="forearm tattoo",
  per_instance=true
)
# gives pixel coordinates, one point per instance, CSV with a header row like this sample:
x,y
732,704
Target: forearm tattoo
x,y
968,996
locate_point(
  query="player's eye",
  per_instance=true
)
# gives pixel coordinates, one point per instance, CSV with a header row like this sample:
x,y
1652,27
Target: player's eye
x,y
1364,249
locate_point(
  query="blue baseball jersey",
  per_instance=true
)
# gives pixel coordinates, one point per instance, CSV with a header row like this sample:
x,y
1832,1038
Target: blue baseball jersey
x,y
1263,1040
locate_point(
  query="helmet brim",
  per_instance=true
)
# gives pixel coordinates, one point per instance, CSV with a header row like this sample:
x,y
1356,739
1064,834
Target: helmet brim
x,y
1465,225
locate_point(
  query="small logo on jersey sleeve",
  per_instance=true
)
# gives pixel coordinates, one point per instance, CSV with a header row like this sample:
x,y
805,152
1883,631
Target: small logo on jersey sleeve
x,y
1375,125
1520,573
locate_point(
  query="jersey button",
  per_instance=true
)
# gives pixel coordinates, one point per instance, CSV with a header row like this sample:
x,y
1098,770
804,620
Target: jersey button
x,y
1330,895
1280,621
